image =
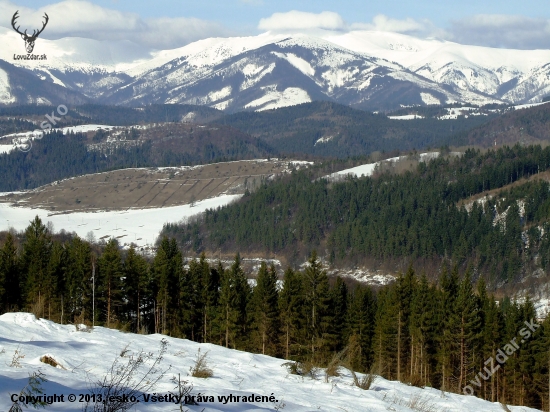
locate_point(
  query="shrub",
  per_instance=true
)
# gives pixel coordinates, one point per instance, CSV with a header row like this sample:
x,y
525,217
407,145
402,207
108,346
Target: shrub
x,y
140,374
200,369
48,360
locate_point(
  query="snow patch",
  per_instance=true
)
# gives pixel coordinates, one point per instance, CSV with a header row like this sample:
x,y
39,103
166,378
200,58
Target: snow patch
x,y
297,62
429,99
5,90
274,99
406,117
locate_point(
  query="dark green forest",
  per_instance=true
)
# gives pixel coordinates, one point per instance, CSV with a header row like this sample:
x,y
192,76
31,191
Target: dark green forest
x,y
296,129
413,215
439,334
57,156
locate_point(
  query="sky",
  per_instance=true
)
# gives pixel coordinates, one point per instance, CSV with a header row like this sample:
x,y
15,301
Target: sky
x,y
167,24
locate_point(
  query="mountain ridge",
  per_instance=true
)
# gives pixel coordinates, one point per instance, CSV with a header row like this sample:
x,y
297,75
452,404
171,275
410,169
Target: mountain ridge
x,y
367,70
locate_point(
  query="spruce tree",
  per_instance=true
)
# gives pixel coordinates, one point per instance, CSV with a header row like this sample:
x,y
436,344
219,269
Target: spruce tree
x,y
264,309
136,287
421,328
167,272
76,290
34,264
384,343
291,305
10,275
109,281
317,296
234,296
468,330
360,325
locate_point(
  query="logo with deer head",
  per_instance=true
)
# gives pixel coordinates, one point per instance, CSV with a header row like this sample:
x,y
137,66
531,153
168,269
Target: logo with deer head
x,y
29,40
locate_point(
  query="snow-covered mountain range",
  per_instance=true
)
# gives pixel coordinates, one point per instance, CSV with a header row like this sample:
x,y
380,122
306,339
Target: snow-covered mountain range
x,y
364,69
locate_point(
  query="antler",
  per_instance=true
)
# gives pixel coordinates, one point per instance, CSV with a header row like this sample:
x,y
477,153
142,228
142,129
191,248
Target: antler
x,y
13,19
35,33
43,25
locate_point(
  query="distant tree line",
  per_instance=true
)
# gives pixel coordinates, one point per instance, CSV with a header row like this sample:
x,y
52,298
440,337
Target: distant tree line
x,y
441,335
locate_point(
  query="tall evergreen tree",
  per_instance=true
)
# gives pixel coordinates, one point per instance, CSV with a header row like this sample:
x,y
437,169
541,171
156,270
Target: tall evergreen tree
x,y
265,310
291,305
136,287
10,275
469,330
34,264
76,290
167,271
234,296
109,282
317,296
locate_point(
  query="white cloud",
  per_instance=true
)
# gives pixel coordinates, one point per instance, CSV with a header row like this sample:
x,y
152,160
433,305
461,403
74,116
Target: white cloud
x,y
300,20
76,18
506,31
384,23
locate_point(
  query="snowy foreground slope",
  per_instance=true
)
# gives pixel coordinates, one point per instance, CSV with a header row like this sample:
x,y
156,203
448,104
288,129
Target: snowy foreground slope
x,y
86,357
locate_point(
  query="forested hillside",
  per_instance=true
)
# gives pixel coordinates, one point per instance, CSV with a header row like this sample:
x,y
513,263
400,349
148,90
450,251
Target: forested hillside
x,y
526,126
409,216
116,115
57,156
439,335
345,131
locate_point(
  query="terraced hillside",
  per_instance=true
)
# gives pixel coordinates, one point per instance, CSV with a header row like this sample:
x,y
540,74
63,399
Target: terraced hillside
x,y
141,188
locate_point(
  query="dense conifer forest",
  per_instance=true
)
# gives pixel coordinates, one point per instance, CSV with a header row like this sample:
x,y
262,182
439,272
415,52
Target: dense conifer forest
x,y
413,215
441,334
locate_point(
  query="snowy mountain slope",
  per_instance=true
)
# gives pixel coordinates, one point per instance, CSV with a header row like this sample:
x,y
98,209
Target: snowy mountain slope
x,y
84,65
18,85
365,69
494,72
294,70
84,358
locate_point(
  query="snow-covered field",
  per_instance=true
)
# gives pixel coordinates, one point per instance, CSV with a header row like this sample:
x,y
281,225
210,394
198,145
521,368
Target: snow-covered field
x,y
139,226
85,358
406,117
